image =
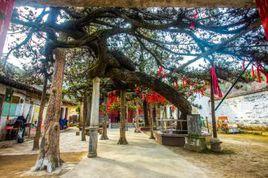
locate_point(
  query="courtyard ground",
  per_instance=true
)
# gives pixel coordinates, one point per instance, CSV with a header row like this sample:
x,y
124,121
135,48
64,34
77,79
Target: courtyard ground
x,y
244,156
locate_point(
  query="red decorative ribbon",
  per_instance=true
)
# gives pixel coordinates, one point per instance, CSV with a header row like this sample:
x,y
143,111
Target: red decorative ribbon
x,y
192,25
175,84
260,69
263,11
6,8
252,72
259,73
161,73
215,83
184,82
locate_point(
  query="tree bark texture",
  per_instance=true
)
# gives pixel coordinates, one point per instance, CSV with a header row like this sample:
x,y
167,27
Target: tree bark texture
x,y
122,140
153,83
142,79
104,135
145,113
83,132
88,110
151,122
40,115
49,155
213,116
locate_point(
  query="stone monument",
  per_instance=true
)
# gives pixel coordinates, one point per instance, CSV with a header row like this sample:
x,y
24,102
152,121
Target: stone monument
x,y
195,141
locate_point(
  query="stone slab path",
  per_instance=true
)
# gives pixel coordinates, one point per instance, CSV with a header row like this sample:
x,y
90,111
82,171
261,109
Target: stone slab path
x,y
69,142
142,158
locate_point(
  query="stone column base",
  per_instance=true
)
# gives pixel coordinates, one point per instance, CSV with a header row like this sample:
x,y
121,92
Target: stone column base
x,y
215,145
93,142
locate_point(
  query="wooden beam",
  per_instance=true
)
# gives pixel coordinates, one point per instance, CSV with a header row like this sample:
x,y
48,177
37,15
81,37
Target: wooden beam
x,y
140,3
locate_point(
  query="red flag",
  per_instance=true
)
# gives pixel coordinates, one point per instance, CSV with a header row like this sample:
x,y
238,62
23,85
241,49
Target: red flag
x,y
6,8
263,11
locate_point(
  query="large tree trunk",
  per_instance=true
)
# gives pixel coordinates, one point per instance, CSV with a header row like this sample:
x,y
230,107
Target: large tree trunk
x,y
145,111
40,115
137,122
139,78
88,110
83,133
122,140
151,120
182,124
49,155
104,135
213,116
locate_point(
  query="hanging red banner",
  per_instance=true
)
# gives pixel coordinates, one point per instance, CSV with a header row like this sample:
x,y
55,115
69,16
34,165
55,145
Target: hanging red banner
x,y
6,8
215,83
263,11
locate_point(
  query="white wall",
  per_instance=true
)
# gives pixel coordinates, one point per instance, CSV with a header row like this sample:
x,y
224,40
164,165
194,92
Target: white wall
x,y
247,109
205,110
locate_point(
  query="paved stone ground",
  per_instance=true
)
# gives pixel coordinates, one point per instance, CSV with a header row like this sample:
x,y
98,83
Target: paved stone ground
x,y
69,142
141,158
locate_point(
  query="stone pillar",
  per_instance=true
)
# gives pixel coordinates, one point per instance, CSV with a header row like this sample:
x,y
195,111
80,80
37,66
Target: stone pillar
x,y
63,113
88,110
94,119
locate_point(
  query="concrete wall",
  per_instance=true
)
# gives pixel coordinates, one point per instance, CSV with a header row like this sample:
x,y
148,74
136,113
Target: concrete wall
x,y
247,109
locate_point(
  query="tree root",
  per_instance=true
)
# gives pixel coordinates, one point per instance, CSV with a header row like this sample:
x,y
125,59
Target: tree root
x,y
122,141
104,137
151,136
47,164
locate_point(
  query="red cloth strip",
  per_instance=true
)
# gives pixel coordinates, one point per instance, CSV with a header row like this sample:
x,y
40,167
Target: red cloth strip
x,y
215,83
252,72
